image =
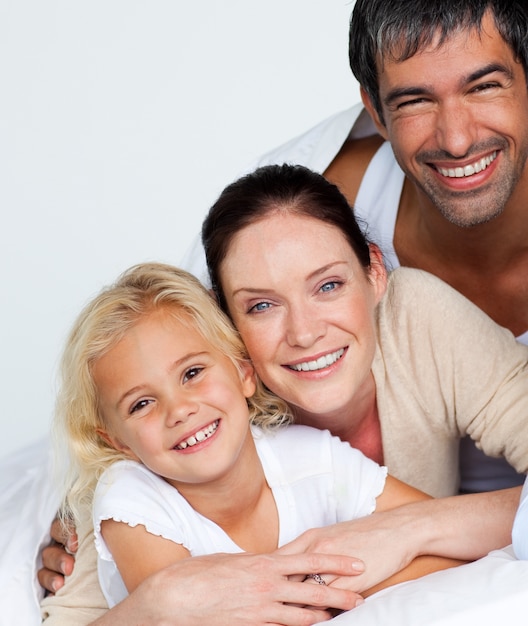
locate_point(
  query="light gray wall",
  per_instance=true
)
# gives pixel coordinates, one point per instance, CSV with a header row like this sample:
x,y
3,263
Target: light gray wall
x,y
120,122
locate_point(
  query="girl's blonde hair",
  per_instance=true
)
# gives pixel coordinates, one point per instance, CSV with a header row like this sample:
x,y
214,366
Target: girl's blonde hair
x,y
139,291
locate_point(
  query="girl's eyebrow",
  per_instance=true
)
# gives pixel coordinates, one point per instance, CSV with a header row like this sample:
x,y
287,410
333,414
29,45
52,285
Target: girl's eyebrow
x,y
481,72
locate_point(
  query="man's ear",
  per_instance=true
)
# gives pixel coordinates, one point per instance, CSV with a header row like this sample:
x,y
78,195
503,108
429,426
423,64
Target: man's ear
x,y
377,272
115,443
371,109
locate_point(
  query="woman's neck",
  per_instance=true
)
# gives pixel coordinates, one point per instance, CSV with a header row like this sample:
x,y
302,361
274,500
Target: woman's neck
x,y
357,422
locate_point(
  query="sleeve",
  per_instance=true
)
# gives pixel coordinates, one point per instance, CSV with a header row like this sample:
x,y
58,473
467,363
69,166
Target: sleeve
x,y
470,373
128,492
358,481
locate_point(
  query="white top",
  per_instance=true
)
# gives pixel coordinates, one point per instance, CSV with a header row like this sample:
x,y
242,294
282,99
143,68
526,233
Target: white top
x,y
315,478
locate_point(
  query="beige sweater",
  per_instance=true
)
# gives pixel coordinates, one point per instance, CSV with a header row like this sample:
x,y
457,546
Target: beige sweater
x,y
452,371
444,369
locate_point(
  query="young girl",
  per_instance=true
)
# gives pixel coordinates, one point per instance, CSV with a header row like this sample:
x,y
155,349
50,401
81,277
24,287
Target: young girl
x,y
161,409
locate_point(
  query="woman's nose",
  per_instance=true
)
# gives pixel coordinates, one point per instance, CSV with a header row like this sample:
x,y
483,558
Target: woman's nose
x,y
303,327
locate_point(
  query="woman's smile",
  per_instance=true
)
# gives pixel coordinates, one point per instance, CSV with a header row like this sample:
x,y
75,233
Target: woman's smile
x,y
320,363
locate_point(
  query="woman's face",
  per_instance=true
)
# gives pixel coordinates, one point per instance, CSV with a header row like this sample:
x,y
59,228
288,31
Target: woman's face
x,y
304,306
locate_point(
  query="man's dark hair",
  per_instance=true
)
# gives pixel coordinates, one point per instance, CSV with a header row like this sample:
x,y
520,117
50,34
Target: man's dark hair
x,y
398,29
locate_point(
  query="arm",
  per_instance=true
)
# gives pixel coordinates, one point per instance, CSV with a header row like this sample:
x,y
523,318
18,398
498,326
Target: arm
x,y
138,553
459,527
397,493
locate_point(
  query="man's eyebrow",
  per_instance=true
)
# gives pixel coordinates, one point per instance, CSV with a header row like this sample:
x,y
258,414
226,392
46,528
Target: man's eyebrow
x,y
481,72
488,69
402,92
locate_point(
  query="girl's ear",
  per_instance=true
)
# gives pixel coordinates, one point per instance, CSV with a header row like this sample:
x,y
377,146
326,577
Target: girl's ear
x,y
115,443
248,376
378,123
377,271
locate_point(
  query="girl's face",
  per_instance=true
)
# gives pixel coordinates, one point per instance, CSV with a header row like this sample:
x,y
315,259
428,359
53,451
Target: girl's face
x,y
305,309
173,401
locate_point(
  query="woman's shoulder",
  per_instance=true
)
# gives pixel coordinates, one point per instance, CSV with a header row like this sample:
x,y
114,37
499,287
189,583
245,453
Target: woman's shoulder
x,y
412,293
405,280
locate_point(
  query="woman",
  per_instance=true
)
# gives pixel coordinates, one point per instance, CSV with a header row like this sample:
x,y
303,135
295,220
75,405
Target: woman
x,y
400,370
307,293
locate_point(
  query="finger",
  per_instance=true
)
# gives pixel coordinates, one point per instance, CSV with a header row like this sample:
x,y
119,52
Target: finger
x,y
298,616
64,534
337,565
57,560
320,596
50,581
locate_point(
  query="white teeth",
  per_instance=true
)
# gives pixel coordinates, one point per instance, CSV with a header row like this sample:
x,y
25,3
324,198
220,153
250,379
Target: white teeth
x,y
468,170
318,364
201,435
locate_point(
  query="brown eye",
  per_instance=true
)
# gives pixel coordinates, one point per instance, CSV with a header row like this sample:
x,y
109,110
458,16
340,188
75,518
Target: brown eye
x,y
139,405
192,372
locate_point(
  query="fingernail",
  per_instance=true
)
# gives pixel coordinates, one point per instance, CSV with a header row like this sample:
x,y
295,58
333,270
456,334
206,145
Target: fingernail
x,y
359,602
359,566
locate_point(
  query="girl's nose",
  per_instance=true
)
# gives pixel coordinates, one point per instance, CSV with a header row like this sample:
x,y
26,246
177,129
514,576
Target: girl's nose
x,y
180,409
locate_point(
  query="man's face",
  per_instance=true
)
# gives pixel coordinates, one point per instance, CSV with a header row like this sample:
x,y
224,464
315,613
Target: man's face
x,y
457,119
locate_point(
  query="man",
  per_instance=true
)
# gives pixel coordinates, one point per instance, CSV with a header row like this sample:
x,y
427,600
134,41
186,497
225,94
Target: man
x,y
448,90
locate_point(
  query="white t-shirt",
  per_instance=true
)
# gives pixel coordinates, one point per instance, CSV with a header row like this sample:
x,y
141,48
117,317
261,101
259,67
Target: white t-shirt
x,y
315,478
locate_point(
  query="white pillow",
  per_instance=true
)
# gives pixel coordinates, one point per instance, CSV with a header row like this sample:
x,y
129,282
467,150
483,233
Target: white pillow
x,y
490,591
28,504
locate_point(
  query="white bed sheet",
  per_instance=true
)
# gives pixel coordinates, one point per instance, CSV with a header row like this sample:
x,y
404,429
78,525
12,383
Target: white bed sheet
x,y
28,504
483,593
488,592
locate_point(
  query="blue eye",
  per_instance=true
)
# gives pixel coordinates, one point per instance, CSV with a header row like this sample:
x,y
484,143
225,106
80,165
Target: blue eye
x,y
260,306
330,286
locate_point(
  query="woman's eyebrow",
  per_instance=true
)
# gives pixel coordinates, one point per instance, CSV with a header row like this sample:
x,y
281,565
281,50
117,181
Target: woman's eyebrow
x,y
311,276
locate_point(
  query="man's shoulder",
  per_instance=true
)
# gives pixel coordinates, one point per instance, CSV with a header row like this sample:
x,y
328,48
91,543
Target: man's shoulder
x,y
317,147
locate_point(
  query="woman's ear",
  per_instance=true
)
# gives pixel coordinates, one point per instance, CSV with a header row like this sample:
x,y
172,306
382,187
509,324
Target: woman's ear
x,y
371,109
377,271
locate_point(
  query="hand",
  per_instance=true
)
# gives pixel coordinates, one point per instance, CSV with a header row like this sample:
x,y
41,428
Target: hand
x,y
237,590
57,558
379,540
